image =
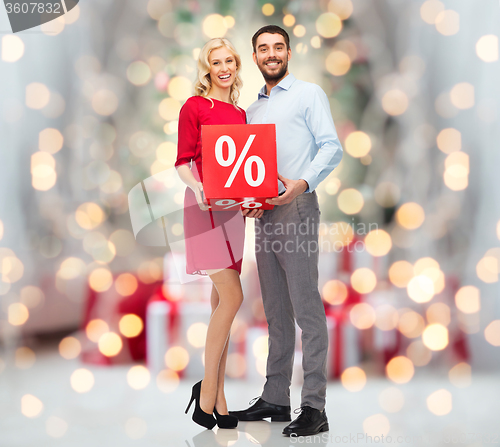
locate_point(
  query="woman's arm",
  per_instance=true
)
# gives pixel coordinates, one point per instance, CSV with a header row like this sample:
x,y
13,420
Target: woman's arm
x,y
187,138
187,177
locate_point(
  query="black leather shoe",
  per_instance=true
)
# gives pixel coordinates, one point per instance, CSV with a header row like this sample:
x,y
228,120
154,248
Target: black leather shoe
x,y
310,422
262,409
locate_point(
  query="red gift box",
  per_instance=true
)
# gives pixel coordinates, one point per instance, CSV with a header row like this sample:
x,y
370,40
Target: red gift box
x,y
239,165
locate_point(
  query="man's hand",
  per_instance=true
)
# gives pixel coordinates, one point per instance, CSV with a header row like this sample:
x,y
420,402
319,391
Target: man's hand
x,y
252,213
293,189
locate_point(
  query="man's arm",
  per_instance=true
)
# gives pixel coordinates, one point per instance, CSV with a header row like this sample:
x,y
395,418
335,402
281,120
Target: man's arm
x,y
318,117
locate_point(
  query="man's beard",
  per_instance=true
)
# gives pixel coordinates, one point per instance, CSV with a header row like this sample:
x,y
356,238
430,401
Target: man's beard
x,y
278,75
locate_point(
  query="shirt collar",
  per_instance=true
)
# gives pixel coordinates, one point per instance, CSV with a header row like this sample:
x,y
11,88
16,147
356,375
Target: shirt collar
x,y
285,84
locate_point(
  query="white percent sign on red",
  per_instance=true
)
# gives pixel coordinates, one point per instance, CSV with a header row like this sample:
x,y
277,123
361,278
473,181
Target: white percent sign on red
x,y
232,203
231,156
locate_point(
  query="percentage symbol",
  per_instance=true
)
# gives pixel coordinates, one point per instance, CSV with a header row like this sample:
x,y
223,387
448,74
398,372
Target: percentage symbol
x,y
232,203
231,156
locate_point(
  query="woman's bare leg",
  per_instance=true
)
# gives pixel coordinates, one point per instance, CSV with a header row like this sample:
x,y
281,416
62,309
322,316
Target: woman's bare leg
x,y
230,296
220,401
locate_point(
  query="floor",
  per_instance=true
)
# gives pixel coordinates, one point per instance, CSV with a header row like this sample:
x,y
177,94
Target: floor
x,y
113,414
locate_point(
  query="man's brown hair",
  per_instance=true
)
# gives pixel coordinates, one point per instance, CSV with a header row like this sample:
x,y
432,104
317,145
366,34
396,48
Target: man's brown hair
x,y
271,29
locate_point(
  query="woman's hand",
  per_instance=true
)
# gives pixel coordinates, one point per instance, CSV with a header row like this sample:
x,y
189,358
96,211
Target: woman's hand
x,y
198,192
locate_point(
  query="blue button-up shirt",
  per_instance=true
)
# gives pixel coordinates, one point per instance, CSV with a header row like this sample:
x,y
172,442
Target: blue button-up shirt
x,y
306,140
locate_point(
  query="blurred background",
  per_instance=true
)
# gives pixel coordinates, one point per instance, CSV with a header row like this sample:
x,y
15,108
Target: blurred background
x,y
98,341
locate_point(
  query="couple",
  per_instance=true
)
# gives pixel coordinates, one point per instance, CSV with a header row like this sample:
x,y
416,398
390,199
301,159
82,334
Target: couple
x,y
308,149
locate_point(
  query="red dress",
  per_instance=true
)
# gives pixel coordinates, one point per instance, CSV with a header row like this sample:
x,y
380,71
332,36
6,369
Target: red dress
x,y
214,239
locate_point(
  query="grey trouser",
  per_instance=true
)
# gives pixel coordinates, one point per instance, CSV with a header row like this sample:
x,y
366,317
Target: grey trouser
x,y
286,246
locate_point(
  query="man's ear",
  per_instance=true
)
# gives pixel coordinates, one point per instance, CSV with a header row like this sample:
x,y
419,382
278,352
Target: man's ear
x,y
289,53
254,58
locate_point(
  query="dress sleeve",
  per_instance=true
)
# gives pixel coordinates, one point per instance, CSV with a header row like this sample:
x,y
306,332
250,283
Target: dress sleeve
x,y
188,133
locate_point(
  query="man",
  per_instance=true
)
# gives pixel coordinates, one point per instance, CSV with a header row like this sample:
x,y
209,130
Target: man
x,y
287,236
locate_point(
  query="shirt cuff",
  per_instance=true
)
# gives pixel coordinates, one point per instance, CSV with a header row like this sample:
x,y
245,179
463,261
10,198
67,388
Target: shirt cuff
x,y
309,179
308,189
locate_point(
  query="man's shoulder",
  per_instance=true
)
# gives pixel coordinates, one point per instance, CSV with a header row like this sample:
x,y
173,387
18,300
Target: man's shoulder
x,y
307,86
253,107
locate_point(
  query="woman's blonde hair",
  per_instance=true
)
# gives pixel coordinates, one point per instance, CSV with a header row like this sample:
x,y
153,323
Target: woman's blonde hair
x,y
203,84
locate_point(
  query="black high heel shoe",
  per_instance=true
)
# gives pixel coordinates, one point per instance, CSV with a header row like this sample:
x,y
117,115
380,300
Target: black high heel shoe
x,y
225,420
199,416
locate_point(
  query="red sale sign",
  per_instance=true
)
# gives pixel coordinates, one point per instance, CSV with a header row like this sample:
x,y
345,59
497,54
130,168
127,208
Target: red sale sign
x,y
239,165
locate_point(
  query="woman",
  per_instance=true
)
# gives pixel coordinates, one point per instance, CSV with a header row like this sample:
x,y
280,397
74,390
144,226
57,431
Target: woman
x,y
215,102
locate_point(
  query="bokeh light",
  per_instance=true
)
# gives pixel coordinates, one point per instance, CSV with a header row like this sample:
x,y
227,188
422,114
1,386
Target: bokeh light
x,y
138,377
376,425
328,25
391,399
362,316
461,375
358,144
411,323
487,48
440,402
492,333
70,347
31,406
449,140
12,48
350,201
378,242
197,334
82,380
268,9
180,88
17,314
214,26
438,313
468,299
24,357
462,95
176,358
37,95
342,8
420,289
395,102
56,427
430,9
400,369
338,63
126,284
448,22
167,381
418,353
289,20
400,273
353,379
334,292
435,337
95,329
100,279
138,73
363,280
110,344
410,215
131,325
